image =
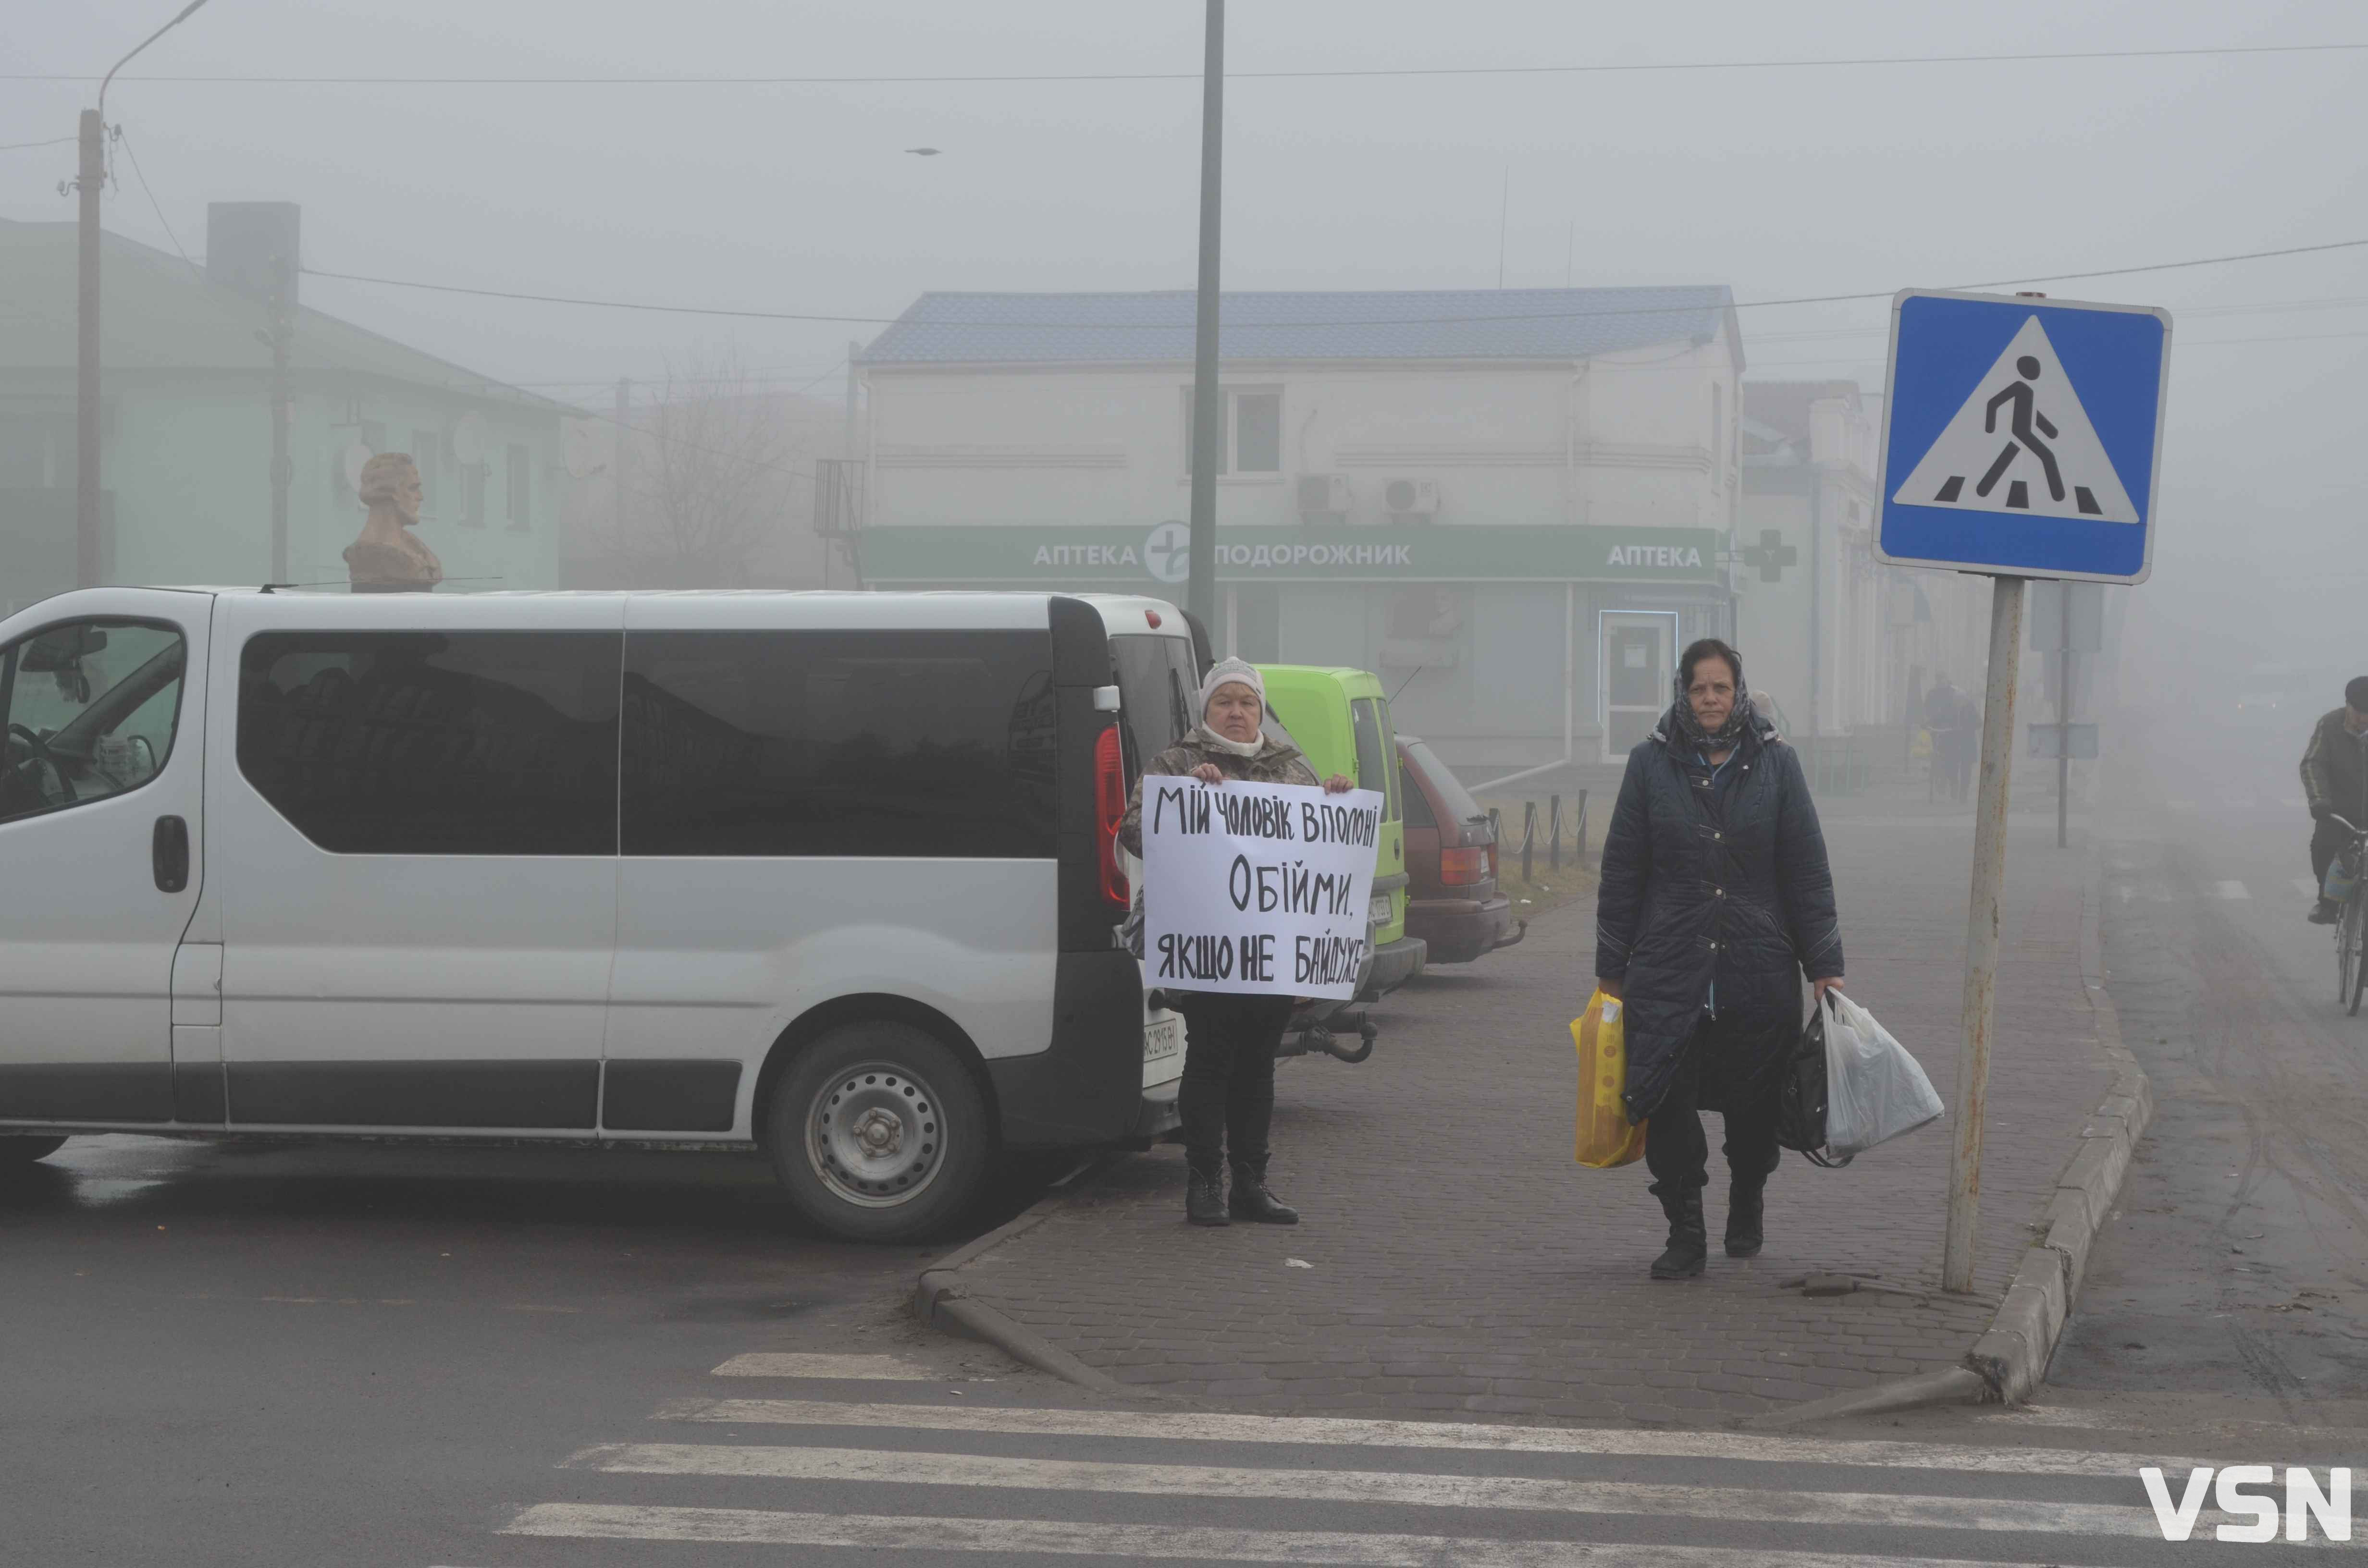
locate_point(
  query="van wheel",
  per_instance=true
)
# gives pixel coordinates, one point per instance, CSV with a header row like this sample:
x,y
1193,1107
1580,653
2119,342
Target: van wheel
x,y
879,1133
25,1151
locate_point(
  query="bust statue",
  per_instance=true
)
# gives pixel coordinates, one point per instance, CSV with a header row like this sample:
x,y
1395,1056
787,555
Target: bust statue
x,y
388,558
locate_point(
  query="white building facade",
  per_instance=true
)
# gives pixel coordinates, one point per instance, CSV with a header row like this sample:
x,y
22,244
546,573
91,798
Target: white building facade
x,y
1516,506
1842,641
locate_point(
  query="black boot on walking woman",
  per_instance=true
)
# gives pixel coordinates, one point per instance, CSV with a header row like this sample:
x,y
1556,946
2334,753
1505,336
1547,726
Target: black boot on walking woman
x,y
1689,1241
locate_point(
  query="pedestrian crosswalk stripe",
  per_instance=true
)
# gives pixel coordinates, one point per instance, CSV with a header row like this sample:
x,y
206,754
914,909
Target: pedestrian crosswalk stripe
x,y
2232,890
1350,1432
1392,1488
780,1364
1024,1539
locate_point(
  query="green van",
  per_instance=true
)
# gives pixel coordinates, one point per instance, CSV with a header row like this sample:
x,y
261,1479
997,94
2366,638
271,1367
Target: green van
x,y
1341,718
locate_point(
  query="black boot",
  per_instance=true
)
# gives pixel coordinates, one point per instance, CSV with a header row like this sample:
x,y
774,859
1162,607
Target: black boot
x,y
1251,1201
1688,1244
1205,1200
1743,1209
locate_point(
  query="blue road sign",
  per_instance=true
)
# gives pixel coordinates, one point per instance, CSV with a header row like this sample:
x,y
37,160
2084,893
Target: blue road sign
x,y
2023,436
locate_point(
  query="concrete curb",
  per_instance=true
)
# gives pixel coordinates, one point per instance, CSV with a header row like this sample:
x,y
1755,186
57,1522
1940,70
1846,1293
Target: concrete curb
x,y
939,1300
2010,1359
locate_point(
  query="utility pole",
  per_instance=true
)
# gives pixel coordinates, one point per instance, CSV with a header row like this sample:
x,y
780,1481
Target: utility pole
x,y
89,182
854,358
1208,409
283,470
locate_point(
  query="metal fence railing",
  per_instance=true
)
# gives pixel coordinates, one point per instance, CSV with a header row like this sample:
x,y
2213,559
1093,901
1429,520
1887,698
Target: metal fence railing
x,y
1558,833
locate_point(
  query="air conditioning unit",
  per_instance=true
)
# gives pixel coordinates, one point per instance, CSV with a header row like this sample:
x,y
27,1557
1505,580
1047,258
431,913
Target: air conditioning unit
x,y
1323,497
1404,499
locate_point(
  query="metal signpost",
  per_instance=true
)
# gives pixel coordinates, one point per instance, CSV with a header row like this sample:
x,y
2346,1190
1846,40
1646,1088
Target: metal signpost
x,y
2021,439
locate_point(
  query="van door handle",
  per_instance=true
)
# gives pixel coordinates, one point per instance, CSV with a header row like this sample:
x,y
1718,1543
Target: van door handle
x,y
169,854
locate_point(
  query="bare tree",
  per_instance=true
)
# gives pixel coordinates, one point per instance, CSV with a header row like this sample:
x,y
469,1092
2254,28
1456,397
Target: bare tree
x,y
713,493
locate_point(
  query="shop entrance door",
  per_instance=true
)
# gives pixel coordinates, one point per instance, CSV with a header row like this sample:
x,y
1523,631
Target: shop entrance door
x,y
1638,656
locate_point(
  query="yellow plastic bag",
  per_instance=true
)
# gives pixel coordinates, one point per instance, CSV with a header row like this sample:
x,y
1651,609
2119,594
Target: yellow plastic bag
x,y
1921,746
1606,1136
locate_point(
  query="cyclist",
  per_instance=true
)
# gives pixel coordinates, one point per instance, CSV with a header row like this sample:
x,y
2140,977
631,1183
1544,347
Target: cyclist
x,y
2335,783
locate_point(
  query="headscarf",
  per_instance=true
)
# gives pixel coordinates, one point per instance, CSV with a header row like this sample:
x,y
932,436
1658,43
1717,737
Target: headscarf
x,y
1231,672
1740,719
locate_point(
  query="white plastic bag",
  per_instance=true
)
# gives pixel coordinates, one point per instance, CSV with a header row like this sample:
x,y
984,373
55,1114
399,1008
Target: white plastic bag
x,y
1874,1090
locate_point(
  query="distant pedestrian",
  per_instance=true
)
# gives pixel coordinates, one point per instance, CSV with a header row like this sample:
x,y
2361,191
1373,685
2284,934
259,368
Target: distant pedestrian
x,y
1955,722
2335,784
1715,899
1226,1099
388,557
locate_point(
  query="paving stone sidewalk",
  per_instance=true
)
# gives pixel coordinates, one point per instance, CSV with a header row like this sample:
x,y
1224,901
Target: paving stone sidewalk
x,y
1460,1262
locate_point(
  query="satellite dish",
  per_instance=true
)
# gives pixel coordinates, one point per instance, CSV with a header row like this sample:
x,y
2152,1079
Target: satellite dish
x,y
469,440
350,463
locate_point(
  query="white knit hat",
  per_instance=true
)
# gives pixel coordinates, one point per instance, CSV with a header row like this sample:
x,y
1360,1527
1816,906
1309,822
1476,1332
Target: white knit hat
x,y
1231,672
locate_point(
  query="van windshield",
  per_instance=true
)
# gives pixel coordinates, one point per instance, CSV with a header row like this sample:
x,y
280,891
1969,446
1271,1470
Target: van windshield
x,y
1156,682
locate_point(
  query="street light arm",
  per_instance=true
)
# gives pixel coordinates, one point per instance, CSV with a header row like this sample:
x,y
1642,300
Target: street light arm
x,y
187,11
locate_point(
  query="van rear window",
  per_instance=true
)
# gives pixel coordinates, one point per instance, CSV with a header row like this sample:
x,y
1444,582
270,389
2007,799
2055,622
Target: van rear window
x,y
1157,681
839,744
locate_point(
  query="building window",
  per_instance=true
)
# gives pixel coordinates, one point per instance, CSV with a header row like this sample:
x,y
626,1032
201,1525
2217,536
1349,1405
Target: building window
x,y
473,494
1717,434
518,505
1250,439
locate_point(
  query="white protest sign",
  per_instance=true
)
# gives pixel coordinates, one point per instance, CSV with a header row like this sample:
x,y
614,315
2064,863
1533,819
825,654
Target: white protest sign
x,y
1257,889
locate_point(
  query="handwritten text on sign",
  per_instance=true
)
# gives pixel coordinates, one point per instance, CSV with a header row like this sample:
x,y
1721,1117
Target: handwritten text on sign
x,y
1257,888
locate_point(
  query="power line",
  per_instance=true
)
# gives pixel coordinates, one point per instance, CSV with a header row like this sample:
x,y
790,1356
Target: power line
x,y
1039,78
21,146
1381,320
153,204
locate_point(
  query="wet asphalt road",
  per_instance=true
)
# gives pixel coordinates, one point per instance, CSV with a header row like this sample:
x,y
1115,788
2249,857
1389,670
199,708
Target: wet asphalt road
x,y
367,1354
2236,1271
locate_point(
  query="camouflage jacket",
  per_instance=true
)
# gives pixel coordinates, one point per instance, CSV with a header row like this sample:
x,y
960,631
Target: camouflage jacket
x,y
1275,763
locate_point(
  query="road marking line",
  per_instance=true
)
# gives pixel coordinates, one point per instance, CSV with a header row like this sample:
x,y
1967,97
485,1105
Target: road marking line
x,y
1023,1538
1394,1488
2232,890
1349,1432
780,1364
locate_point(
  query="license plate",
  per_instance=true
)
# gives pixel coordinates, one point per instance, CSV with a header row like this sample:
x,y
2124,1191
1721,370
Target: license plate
x,y
1162,1038
1379,911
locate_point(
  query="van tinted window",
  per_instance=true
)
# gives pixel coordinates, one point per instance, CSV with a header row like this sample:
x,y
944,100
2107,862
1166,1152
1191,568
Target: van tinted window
x,y
937,743
1158,683
427,742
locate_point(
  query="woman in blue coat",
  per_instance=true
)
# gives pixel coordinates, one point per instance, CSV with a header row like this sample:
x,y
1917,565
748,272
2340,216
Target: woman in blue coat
x,y
1715,900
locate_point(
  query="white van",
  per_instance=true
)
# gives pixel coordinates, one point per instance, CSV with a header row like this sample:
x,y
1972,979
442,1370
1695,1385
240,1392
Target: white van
x,y
829,874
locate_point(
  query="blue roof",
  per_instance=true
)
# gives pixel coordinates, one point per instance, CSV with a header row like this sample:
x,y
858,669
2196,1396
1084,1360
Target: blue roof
x,y
1459,324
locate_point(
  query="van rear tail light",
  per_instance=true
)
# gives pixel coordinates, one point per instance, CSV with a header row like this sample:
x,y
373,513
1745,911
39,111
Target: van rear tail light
x,y
1110,810
1462,868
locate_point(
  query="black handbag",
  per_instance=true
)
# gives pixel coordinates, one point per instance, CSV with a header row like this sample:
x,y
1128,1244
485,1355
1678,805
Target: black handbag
x,y
1801,1096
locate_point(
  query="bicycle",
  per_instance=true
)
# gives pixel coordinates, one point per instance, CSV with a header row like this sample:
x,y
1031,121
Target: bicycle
x,y
2352,927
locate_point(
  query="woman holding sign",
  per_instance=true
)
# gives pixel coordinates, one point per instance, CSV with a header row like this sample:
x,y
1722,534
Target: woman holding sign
x,y
1226,1099
1715,899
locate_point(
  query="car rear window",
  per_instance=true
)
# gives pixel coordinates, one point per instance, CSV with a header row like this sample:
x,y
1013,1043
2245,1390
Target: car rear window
x,y
1156,682
1417,804
1452,795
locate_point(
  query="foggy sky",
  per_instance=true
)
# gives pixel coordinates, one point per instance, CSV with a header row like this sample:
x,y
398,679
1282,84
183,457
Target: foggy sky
x,y
1777,182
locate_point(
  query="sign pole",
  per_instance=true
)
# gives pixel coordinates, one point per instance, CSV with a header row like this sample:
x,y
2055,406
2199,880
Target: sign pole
x,y
1981,930
1208,404
2064,722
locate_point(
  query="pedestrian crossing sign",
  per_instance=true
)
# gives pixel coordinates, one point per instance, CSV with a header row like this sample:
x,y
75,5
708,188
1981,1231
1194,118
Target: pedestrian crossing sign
x,y
2023,436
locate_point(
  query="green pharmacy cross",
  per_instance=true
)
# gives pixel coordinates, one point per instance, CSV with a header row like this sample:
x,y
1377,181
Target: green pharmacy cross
x,y
1772,555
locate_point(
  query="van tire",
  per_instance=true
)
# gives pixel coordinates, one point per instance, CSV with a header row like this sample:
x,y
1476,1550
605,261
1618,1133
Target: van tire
x,y
879,1133
25,1151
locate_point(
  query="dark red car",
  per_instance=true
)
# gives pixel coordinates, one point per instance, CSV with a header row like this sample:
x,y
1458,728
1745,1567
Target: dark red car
x,y
1451,860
